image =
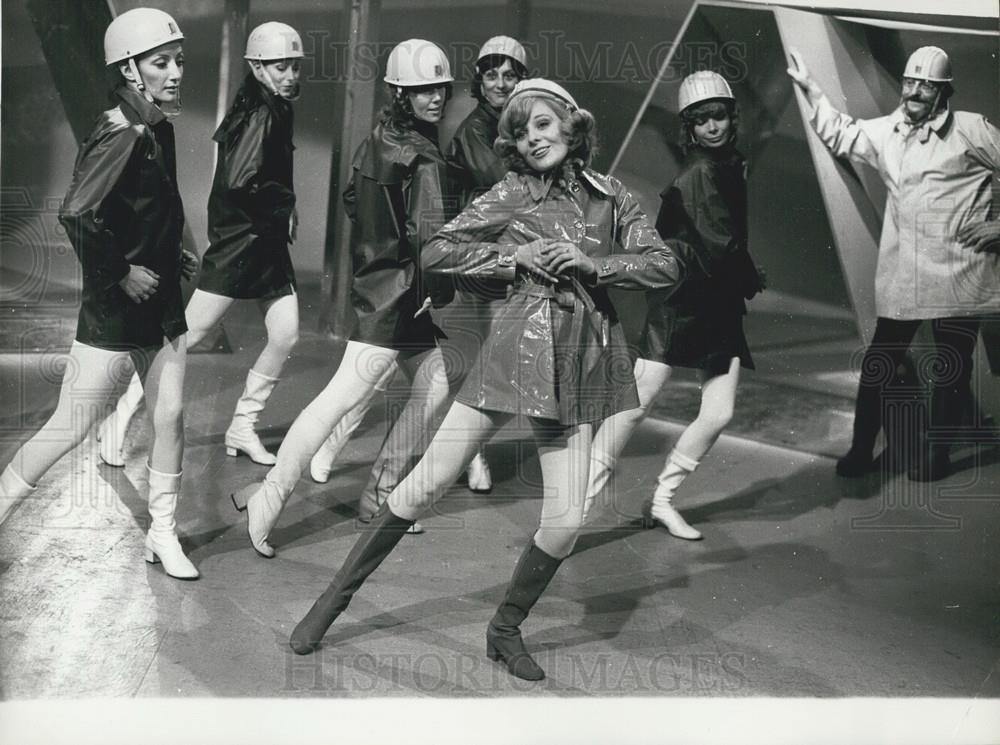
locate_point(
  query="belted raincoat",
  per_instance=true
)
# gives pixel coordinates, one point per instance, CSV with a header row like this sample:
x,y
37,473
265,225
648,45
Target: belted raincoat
x,y
401,192
122,208
252,199
701,325
554,351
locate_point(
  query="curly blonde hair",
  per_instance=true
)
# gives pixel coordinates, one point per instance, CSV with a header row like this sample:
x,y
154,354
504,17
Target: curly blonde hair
x,y
577,126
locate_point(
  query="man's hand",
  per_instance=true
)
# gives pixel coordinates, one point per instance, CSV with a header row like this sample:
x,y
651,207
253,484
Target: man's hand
x,y
982,236
562,257
189,264
800,75
293,225
140,283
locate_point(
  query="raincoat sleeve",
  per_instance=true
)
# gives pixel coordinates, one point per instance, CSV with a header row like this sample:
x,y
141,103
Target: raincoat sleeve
x,y
694,204
982,140
242,171
642,260
98,169
471,244
846,137
476,160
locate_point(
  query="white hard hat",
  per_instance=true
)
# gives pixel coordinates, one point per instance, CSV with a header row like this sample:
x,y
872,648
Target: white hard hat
x,y
929,63
136,31
703,85
506,46
273,40
547,87
417,62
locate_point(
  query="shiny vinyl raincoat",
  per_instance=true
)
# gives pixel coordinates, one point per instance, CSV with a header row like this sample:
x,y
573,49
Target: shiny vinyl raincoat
x,y
701,325
401,192
252,199
472,151
123,208
554,351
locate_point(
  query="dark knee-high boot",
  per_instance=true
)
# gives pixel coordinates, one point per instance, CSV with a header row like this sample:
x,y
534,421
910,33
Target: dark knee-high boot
x,y
380,537
532,574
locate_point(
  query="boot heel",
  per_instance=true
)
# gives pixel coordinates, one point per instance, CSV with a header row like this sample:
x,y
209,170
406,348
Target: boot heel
x,y
232,452
151,558
236,497
491,652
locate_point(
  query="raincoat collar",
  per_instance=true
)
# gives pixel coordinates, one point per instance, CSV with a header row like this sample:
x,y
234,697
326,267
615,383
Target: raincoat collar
x,y
251,93
935,124
489,112
139,107
539,187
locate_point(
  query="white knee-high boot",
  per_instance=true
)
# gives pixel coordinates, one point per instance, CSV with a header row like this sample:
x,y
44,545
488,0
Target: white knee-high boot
x,y
240,436
322,463
661,509
478,472
161,540
263,504
13,488
602,468
112,433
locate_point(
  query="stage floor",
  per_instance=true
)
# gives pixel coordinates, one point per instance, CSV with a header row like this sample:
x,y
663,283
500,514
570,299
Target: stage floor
x,y
804,585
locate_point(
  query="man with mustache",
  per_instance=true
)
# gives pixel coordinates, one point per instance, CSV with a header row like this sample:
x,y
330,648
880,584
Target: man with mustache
x,y
937,257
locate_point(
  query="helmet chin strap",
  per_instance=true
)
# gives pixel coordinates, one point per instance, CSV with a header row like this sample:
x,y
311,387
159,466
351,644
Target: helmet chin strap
x,y
139,82
263,76
170,109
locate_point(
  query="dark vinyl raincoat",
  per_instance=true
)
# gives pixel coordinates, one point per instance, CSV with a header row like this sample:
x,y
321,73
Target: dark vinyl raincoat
x,y
701,325
123,208
401,192
471,149
252,199
555,351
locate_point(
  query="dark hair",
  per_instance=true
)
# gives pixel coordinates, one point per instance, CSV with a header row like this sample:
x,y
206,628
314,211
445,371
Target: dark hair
x,y
399,110
577,126
489,62
714,108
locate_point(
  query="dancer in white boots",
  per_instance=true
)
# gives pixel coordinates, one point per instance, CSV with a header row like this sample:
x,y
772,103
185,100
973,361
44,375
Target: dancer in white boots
x,y
501,63
251,221
397,198
559,235
700,325
124,217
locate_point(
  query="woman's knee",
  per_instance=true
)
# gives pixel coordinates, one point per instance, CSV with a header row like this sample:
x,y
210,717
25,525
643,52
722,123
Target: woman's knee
x,y
557,543
168,416
716,418
283,343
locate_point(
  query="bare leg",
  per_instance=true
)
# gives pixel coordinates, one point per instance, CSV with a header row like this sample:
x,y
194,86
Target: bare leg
x,y
322,463
360,369
204,310
409,436
718,397
164,388
615,431
462,431
564,454
281,318
91,376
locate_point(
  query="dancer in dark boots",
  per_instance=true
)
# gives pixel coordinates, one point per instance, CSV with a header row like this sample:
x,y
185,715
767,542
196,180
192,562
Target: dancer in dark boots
x,y
559,235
